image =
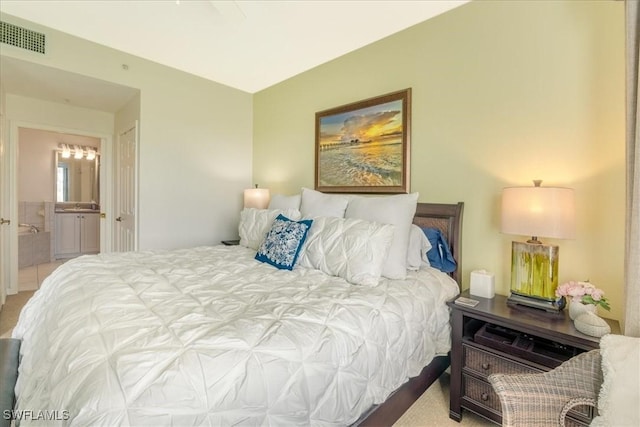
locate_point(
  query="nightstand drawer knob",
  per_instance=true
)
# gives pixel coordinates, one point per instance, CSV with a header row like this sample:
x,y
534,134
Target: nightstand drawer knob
x,y
486,366
484,397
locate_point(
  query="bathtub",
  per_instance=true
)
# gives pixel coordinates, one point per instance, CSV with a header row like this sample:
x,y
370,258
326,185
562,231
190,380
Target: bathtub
x,y
33,248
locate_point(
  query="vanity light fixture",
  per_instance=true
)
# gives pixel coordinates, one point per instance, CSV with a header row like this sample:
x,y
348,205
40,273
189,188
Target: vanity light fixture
x,y
78,151
66,151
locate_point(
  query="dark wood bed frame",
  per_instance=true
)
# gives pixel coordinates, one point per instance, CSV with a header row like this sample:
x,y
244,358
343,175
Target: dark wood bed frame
x,y
448,219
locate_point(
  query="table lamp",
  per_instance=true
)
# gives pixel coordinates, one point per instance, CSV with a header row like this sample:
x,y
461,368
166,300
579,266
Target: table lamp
x,y
256,197
538,212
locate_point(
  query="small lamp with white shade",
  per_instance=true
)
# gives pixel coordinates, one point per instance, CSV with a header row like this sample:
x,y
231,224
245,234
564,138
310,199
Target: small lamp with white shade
x,y
256,197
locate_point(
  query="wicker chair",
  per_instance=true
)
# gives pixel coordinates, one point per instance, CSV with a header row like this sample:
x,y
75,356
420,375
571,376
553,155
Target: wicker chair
x,y
544,399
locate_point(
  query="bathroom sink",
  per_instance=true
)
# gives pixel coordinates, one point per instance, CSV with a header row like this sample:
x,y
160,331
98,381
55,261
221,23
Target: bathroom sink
x,y
80,210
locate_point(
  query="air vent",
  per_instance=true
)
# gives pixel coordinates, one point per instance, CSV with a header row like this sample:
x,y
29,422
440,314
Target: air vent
x,y
22,37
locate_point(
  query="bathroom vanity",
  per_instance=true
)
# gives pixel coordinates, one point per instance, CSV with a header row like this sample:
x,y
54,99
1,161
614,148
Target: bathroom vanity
x,y
77,233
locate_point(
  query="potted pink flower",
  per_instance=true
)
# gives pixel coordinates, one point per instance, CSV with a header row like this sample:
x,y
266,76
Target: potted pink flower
x,y
583,295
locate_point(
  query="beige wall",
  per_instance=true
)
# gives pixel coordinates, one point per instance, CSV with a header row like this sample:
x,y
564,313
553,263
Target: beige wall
x,y
503,93
195,139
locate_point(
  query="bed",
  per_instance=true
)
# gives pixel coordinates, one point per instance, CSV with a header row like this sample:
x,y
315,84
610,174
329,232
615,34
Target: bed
x,y
210,336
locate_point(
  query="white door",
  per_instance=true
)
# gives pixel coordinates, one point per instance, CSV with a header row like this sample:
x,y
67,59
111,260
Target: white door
x,y
8,209
125,191
4,215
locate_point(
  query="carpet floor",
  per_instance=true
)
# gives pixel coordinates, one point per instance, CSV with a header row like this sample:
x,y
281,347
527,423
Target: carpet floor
x,y
431,409
11,310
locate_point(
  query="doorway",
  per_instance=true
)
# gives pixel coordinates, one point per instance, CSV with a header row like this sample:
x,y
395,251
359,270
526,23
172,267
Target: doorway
x,y
38,212
55,170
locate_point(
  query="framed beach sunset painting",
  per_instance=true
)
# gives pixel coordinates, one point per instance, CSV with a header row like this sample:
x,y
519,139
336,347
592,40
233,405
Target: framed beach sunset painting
x,y
363,147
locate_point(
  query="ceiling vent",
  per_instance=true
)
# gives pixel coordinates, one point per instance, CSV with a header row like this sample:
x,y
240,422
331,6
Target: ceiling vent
x,y
22,37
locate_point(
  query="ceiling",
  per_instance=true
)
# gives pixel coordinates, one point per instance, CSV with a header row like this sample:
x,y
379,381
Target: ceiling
x,y
51,84
248,45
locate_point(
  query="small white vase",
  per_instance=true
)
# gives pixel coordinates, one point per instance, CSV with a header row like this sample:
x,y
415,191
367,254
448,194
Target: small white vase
x,y
577,308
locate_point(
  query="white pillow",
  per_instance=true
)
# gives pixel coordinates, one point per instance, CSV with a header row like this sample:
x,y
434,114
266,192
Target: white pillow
x,y
315,204
619,394
397,210
419,245
256,223
279,201
350,248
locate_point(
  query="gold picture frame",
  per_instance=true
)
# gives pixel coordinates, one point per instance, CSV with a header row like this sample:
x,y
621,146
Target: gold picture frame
x,y
363,147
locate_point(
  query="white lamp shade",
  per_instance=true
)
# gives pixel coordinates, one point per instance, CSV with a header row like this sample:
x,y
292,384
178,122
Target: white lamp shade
x,y
539,211
256,198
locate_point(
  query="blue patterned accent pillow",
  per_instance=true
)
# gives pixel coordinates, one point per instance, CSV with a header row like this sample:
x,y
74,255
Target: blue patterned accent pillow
x,y
283,242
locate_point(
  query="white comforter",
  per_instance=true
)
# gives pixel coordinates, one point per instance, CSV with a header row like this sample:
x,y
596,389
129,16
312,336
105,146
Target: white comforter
x,y
209,336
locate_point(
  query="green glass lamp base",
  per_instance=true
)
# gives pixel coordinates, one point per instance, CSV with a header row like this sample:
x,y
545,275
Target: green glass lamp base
x,y
534,270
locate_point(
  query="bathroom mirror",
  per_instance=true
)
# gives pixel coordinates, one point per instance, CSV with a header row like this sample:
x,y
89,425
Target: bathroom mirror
x,y
77,180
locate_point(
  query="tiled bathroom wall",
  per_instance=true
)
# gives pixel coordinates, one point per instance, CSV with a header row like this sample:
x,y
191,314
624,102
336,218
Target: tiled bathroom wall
x,y
32,213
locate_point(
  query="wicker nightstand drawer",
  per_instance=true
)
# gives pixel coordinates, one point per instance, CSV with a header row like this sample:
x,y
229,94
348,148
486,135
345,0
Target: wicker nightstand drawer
x,y
480,392
484,363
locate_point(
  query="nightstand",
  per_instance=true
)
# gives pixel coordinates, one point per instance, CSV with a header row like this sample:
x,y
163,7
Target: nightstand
x,y
230,242
493,337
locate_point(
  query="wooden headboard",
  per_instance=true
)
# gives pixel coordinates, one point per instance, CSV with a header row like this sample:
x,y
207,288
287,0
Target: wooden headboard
x,y
448,219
